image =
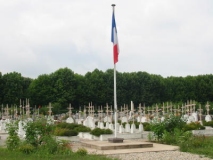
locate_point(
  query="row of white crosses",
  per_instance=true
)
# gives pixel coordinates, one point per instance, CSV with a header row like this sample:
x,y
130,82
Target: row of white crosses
x,y
70,110
6,114
23,106
49,109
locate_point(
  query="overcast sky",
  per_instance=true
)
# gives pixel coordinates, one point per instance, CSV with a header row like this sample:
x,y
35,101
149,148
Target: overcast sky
x,y
163,37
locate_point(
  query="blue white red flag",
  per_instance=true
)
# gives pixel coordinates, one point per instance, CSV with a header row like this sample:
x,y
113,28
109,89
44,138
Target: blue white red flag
x,y
114,39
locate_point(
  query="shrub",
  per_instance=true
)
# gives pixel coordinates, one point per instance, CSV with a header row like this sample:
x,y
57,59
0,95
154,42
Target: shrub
x,y
107,131
172,138
66,129
146,126
82,152
193,126
13,140
26,148
210,123
81,128
97,131
36,131
68,132
158,130
65,132
168,125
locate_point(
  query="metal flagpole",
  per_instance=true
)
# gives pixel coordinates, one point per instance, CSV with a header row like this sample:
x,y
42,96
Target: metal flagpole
x,y
115,54
115,95
115,101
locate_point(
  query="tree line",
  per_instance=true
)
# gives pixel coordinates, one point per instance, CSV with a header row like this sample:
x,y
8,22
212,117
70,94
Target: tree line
x,y
64,86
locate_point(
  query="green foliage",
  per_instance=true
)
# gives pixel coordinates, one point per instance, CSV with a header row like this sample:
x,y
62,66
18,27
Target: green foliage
x,y
158,130
193,126
173,122
65,132
64,86
172,138
13,140
13,87
82,152
69,129
196,144
17,155
49,145
26,148
210,123
146,126
37,132
168,125
97,131
82,128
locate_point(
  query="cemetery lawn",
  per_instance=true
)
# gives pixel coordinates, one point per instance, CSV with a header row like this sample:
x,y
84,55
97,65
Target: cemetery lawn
x,y
5,154
199,145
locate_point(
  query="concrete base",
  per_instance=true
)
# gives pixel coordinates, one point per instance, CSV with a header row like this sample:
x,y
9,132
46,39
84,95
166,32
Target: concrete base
x,y
127,144
115,140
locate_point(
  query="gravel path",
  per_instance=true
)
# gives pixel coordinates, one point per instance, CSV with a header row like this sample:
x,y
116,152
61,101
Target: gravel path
x,y
167,155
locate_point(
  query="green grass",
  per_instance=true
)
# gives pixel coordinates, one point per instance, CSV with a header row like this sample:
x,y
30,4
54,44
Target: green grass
x,y
199,145
15,155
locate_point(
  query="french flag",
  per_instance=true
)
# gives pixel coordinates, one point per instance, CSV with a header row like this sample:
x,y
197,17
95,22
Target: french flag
x,y
114,39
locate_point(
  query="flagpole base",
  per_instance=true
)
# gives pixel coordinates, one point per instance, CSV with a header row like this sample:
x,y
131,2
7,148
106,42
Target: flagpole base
x,y
115,140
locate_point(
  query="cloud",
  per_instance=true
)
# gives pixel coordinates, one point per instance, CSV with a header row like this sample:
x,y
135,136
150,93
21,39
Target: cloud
x,y
168,38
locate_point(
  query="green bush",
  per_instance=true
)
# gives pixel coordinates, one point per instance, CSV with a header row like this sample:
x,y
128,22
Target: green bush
x,y
97,131
82,152
158,130
81,128
210,123
65,132
26,148
172,138
13,140
108,131
193,126
168,125
67,125
146,126
68,132
66,129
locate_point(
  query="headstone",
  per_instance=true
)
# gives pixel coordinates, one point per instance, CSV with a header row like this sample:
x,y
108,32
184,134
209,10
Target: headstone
x,y
141,128
111,126
70,120
195,115
144,119
101,125
90,122
21,132
132,128
107,119
208,118
121,129
127,127
124,120
107,125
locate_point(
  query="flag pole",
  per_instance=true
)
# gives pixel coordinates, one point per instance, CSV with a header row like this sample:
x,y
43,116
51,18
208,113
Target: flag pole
x,y
115,94
115,55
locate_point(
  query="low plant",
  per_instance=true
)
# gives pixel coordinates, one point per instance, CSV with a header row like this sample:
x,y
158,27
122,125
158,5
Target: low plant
x,y
82,152
65,132
210,123
98,131
172,137
193,126
146,126
168,125
26,148
13,140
